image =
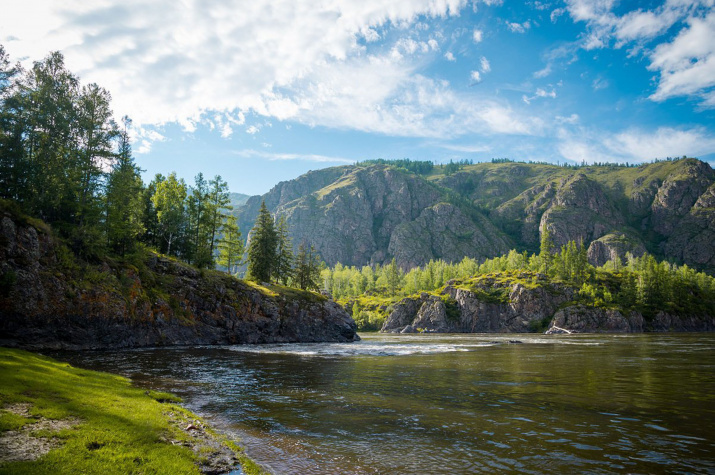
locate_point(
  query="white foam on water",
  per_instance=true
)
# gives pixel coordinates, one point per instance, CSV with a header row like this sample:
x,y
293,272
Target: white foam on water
x,y
357,349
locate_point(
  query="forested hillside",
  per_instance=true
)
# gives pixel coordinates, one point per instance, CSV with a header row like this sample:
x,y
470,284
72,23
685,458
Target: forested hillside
x,y
372,212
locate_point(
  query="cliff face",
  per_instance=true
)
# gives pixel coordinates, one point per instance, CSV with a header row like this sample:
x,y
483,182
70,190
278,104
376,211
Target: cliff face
x,y
372,214
49,300
510,306
359,215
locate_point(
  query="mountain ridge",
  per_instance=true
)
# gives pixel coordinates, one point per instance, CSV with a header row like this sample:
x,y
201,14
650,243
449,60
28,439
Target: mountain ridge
x,y
368,214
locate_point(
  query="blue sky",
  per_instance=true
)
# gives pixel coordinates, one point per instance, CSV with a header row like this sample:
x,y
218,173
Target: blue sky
x,y
261,91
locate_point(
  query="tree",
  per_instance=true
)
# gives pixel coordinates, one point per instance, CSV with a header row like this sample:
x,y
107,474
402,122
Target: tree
x,y
393,276
545,255
12,131
96,132
197,206
125,207
262,245
219,200
169,203
284,253
307,268
230,246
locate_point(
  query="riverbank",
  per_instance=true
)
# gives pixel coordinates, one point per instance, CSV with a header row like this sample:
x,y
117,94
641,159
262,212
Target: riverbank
x,y
57,419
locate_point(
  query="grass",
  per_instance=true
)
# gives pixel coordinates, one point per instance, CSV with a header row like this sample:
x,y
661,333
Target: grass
x,y
120,429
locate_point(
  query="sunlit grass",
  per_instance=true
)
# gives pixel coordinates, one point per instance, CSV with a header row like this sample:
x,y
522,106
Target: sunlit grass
x,y
121,429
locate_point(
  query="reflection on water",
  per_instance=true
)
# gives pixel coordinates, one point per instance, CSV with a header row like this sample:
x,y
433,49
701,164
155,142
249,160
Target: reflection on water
x,y
451,404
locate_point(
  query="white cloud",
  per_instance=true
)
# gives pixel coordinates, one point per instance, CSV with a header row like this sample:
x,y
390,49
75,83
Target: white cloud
x,y
253,130
475,148
664,142
477,36
687,64
485,65
634,145
167,61
143,138
599,83
250,153
449,56
572,119
475,77
518,27
556,13
538,94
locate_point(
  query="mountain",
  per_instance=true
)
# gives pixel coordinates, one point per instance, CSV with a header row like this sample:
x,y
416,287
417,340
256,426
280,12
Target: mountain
x,y
368,214
238,199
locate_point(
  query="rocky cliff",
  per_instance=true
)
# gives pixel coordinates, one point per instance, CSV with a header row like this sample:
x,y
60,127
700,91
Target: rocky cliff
x,y
48,299
524,303
361,215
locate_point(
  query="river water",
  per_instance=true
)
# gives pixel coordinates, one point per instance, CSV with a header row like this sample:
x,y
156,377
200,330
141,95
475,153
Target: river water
x,y
438,404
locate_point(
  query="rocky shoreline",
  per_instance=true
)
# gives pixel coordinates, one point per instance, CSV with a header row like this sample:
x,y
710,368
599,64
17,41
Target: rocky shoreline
x,y
524,309
50,301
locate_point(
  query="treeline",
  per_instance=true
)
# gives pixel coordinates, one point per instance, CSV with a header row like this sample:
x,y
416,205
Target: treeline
x,y
65,160
640,283
271,257
419,167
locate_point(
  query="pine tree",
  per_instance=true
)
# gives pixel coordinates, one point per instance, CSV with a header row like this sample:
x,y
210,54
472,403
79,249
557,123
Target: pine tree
x,y
199,212
124,203
547,245
284,253
230,246
393,277
219,200
307,268
262,246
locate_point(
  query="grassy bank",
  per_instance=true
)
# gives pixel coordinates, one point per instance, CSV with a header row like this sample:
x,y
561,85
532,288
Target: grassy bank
x,y
62,420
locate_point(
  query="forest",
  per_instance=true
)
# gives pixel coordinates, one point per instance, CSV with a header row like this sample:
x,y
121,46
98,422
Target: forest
x,y
641,284
65,160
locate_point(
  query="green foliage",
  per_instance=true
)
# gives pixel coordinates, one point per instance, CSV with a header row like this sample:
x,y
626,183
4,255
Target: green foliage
x,y
643,284
415,166
284,253
125,210
262,247
231,246
307,268
168,200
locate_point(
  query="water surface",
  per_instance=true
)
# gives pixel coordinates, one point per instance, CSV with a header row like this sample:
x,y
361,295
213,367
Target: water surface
x,y
416,404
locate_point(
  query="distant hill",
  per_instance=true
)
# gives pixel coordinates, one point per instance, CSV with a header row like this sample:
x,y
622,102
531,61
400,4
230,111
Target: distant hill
x,y
238,199
370,213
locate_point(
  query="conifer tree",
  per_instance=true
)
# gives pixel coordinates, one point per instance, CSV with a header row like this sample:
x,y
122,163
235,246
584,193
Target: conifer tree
x,y
262,246
219,200
284,253
307,268
393,277
230,246
547,246
125,206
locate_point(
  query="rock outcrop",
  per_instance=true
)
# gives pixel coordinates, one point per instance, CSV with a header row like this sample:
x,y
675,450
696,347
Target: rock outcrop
x,y
372,214
581,319
360,215
49,300
478,310
614,246
515,307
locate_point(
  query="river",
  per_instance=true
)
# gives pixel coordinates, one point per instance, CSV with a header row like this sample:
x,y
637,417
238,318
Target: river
x,y
438,404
